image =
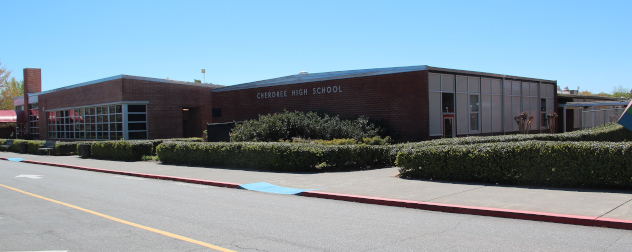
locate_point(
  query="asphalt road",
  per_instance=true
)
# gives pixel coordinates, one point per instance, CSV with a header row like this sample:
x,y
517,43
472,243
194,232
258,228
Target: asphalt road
x,y
88,211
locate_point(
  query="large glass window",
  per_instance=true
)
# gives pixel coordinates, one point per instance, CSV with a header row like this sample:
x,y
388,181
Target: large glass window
x,y
137,122
89,123
447,102
34,120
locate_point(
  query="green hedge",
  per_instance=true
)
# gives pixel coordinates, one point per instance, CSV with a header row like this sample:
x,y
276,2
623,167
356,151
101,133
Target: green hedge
x,y
543,163
132,150
34,145
16,145
305,125
275,156
65,148
608,133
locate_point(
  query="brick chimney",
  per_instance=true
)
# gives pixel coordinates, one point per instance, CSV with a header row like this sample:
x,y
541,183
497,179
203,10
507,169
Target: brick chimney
x,y
32,80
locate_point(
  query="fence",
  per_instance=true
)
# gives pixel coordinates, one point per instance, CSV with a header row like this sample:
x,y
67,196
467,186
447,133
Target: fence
x,y
598,117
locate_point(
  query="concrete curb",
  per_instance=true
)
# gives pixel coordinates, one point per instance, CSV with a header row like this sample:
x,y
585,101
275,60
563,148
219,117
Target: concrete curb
x,y
482,211
143,175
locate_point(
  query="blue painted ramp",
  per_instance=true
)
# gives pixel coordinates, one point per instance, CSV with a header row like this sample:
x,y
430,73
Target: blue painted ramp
x,y
15,159
270,188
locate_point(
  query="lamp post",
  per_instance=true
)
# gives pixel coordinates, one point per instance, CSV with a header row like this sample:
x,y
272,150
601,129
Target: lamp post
x,y
204,72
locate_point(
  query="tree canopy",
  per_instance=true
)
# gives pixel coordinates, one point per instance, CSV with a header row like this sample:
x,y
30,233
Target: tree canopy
x,y
4,75
9,88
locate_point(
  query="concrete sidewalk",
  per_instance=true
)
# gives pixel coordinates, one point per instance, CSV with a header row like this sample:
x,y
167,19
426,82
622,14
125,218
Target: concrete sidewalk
x,y
382,186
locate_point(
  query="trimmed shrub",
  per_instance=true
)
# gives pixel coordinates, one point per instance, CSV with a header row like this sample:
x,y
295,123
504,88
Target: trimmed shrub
x,y
376,140
543,163
16,145
190,139
608,133
275,156
346,141
65,148
310,125
132,150
34,145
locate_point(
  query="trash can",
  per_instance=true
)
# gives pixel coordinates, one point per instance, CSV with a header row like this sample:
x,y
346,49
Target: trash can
x,y
86,150
24,147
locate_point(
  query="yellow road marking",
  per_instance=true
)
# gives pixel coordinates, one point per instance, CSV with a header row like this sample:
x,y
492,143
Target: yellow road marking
x,y
165,233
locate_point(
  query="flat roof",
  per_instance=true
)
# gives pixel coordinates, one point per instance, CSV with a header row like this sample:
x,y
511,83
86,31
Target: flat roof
x,y
314,77
129,77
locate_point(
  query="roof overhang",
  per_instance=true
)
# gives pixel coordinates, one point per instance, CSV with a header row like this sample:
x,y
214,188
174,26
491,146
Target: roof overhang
x,y
591,104
12,116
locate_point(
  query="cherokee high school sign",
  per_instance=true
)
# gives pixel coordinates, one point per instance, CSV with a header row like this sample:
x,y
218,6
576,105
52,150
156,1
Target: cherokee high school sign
x,y
299,92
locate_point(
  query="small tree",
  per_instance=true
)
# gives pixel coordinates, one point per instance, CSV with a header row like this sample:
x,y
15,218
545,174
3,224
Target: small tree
x,y
552,121
11,88
524,122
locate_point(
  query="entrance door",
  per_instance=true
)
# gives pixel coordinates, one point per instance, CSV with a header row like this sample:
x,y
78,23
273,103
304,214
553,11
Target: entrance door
x,y
449,130
185,128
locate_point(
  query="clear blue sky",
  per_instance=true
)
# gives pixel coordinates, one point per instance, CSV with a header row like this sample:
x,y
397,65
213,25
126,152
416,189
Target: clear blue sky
x,y
578,43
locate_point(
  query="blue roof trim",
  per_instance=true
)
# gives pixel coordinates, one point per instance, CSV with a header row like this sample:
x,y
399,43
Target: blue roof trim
x,y
313,77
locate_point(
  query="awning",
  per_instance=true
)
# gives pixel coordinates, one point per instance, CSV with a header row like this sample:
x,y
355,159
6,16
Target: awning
x,y
11,116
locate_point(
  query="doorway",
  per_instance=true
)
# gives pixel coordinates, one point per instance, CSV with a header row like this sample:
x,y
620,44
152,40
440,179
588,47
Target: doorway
x,y
191,122
449,131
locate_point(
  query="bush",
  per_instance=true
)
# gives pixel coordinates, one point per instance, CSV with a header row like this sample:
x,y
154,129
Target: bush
x,y
310,125
65,148
543,163
609,133
376,140
16,145
34,145
275,156
346,141
132,150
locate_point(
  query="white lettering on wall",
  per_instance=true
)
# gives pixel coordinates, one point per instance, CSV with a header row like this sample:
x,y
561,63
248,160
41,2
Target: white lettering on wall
x,y
299,92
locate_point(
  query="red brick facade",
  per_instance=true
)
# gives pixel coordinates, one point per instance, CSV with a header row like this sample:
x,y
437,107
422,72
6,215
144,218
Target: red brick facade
x,y
166,101
398,96
32,80
401,99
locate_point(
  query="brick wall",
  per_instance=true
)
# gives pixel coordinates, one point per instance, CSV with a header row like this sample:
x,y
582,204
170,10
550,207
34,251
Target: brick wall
x,y
32,80
400,99
164,110
98,93
166,101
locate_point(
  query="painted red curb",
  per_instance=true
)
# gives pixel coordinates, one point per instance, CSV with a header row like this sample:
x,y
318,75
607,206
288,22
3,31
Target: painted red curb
x,y
484,211
143,175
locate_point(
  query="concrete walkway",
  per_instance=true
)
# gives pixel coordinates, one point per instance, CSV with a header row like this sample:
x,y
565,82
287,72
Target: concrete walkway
x,y
382,186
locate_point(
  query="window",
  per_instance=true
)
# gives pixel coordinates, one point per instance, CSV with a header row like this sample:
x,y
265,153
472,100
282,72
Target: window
x,y
468,104
447,102
441,100
33,115
137,122
89,123
474,109
512,104
546,103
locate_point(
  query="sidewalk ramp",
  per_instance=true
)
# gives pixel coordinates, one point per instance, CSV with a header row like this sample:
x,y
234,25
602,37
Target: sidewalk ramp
x,y
270,188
